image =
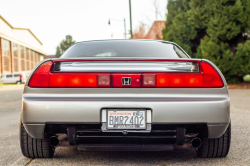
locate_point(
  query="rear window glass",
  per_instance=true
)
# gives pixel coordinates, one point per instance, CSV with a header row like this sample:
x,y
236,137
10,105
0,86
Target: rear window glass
x,y
16,75
9,76
124,48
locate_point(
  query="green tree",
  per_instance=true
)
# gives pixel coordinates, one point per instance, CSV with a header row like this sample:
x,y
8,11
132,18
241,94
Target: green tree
x,y
213,29
64,45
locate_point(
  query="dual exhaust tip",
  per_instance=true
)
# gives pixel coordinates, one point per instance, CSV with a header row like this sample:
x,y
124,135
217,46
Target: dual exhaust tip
x,y
196,142
54,141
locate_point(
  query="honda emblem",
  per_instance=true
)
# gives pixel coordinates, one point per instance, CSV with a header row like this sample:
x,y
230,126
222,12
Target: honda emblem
x,y
126,80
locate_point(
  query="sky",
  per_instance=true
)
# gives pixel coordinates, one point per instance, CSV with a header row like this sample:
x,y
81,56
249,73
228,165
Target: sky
x,y
52,20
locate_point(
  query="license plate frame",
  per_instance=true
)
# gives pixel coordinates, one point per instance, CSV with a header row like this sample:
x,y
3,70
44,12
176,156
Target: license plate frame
x,y
123,126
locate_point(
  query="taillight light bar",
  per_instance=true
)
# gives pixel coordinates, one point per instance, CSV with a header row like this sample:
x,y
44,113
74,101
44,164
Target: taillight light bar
x,y
208,77
173,80
44,78
79,80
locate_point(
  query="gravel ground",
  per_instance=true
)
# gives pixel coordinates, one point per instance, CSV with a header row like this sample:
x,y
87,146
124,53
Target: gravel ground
x,y
239,152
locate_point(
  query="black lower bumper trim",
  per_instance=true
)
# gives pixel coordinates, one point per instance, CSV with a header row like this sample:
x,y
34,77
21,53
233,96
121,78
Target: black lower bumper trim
x,y
124,147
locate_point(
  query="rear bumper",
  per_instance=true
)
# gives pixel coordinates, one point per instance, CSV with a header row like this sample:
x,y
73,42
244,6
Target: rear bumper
x,y
182,106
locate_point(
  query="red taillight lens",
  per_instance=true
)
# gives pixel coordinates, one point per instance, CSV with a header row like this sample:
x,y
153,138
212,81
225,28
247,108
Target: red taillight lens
x,y
208,78
194,80
79,80
161,80
73,80
42,76
126,80
211,78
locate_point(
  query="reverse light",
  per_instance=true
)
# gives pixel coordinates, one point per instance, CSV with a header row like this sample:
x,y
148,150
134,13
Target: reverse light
x,y
149,80
104,80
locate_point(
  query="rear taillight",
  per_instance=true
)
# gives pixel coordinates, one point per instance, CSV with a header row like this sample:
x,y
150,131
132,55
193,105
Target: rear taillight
x,y
42,76
207,77
211,78
174,80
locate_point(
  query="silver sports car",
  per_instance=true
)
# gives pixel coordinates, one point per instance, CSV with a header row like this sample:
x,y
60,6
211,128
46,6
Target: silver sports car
x,y
125,95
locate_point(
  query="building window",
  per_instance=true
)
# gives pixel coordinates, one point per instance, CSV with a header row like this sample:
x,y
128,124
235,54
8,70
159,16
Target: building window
x,y
15,49
22,58
16,65
32,58
22,51
22,65
27,59
6,47
6,54
31,55
38,58
15,57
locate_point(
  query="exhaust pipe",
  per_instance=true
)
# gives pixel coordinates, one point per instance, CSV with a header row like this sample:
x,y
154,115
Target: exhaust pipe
x,y
59,140
54,141
196,142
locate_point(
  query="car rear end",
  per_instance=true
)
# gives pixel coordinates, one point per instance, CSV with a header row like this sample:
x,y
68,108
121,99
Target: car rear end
x,y
126,103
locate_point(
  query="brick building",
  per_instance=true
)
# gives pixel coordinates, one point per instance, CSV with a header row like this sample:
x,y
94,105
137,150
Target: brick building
x,y
20,49
155,32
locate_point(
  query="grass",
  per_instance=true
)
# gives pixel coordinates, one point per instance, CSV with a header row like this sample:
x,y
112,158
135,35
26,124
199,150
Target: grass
x,y
7,85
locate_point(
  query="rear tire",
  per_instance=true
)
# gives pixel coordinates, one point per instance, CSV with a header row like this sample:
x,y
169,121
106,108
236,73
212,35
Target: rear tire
x,y
35,148
215,147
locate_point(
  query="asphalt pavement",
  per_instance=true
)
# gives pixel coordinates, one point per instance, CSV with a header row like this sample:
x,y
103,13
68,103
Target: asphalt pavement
x,y
10,153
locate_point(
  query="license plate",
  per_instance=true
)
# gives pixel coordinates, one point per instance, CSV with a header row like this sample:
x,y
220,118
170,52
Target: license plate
x,y
123,119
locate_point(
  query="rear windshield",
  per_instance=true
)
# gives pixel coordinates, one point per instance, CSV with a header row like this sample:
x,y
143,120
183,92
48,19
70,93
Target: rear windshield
x,y
124,48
